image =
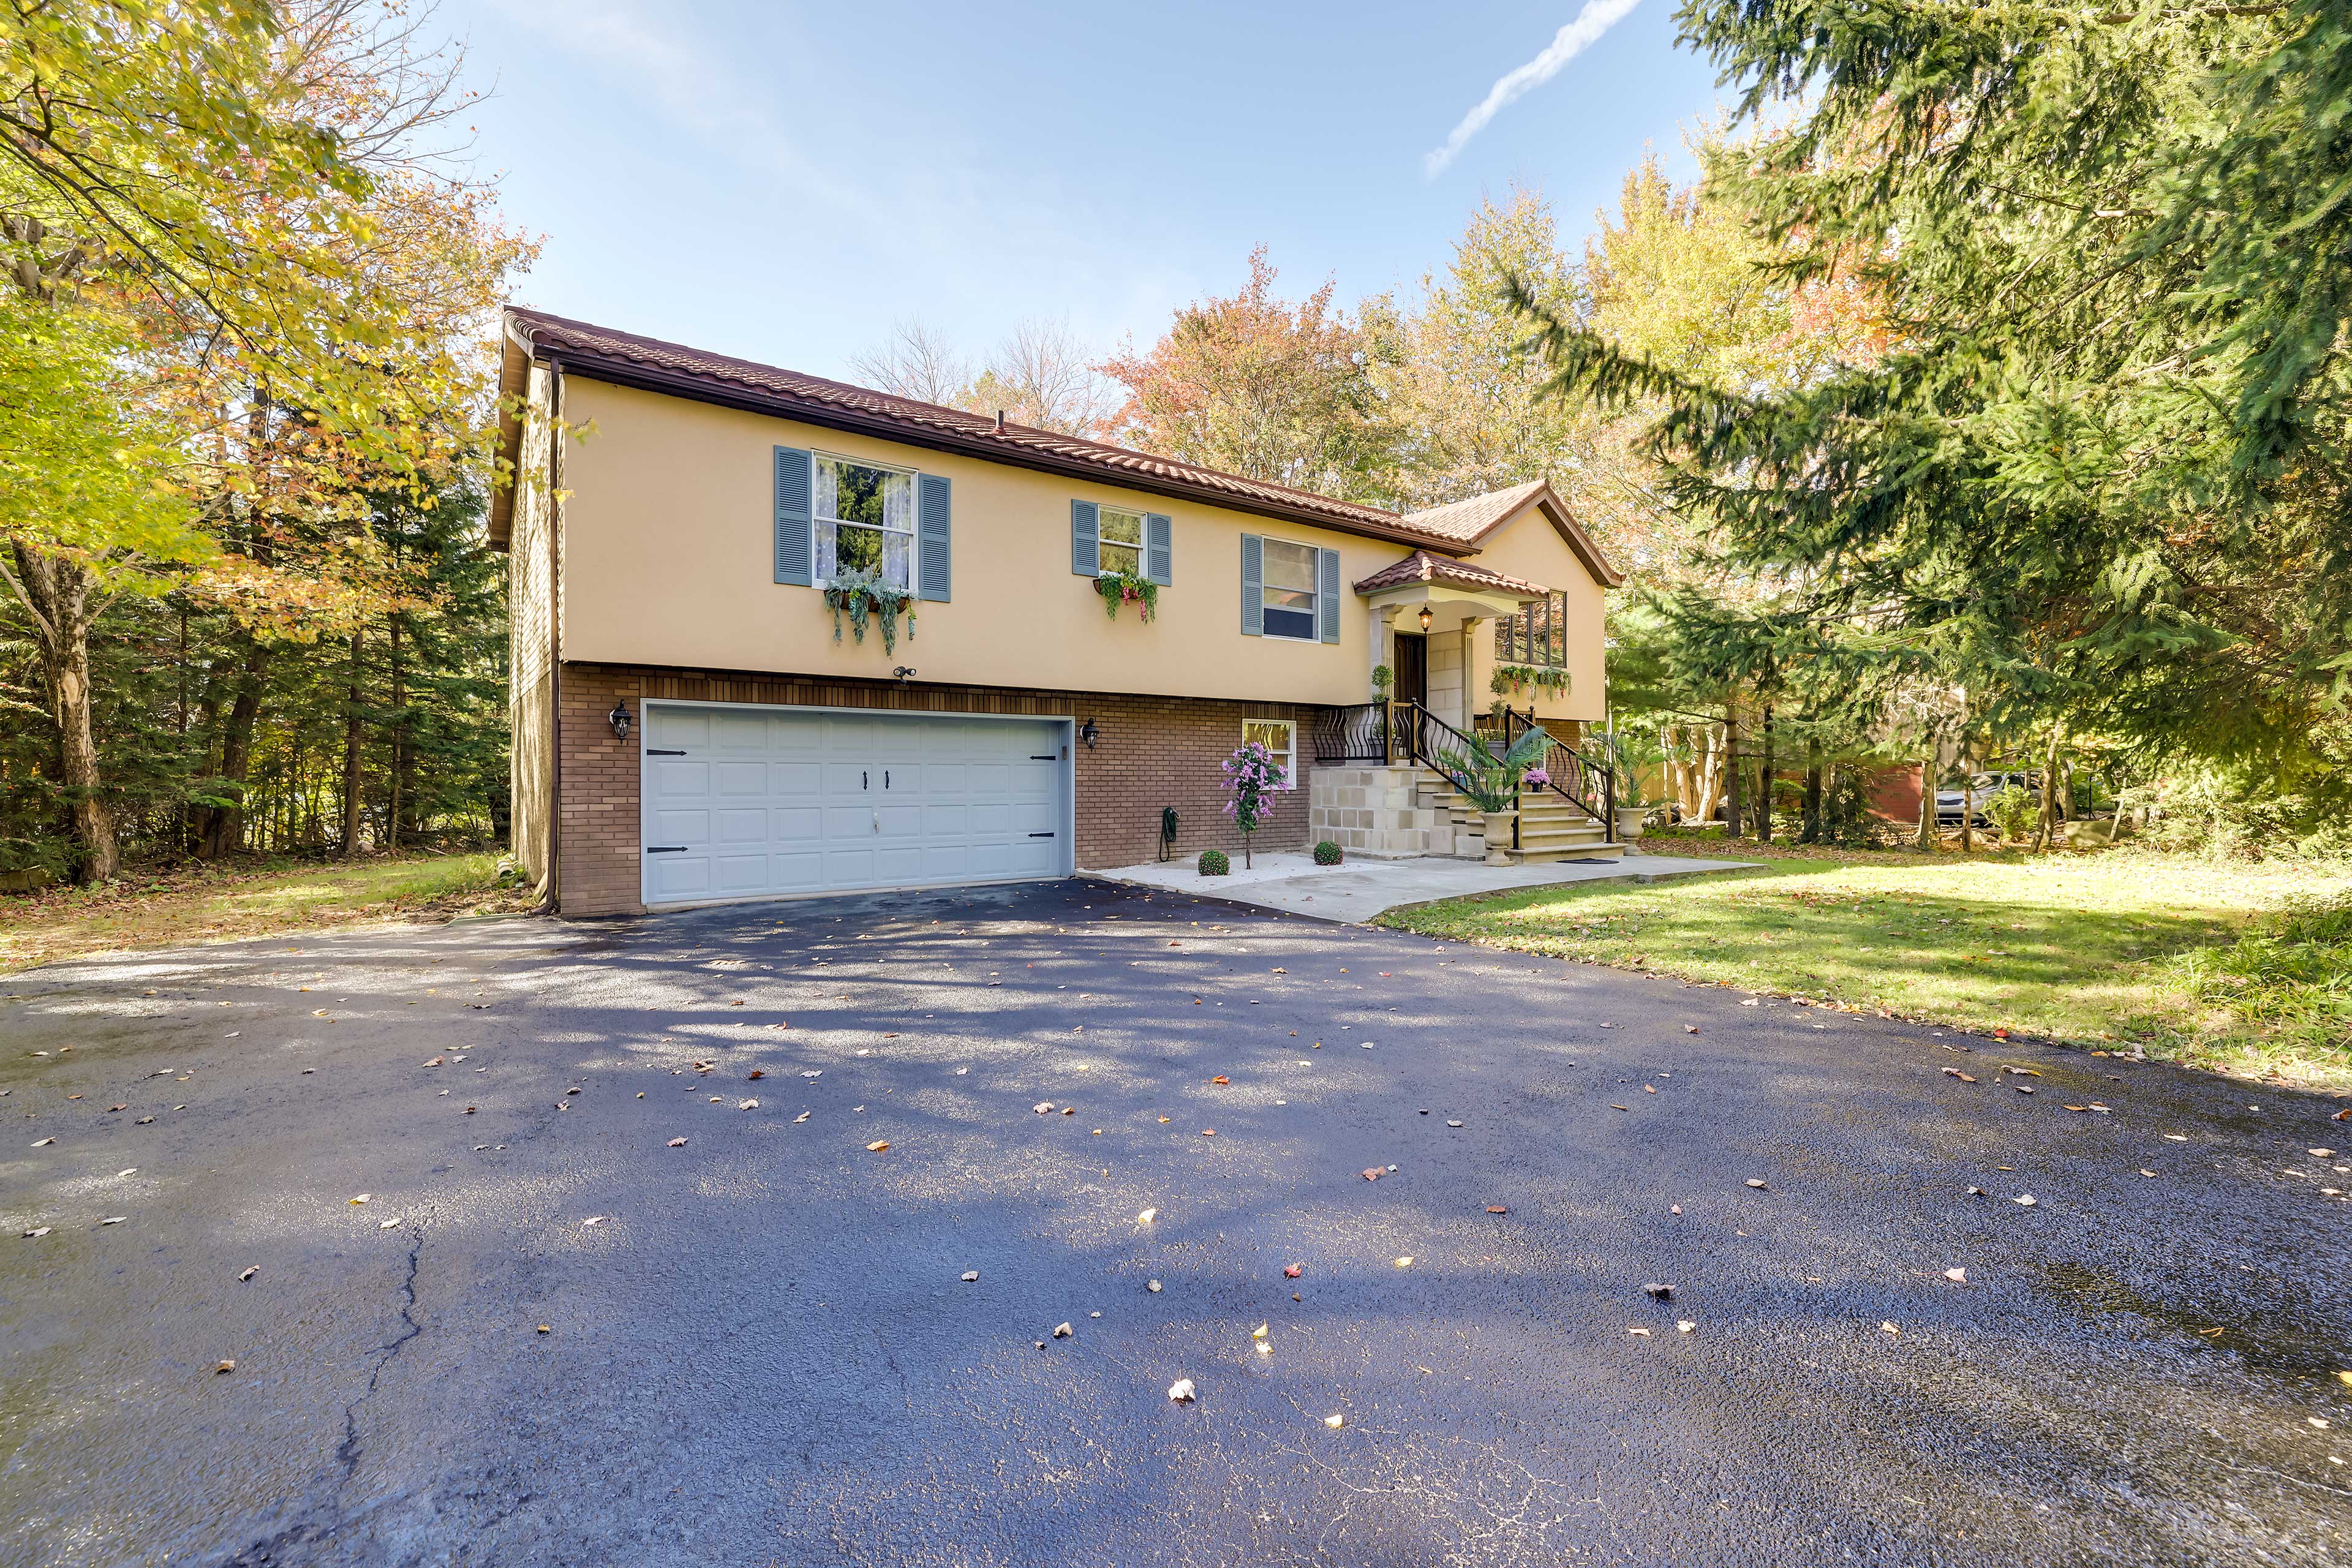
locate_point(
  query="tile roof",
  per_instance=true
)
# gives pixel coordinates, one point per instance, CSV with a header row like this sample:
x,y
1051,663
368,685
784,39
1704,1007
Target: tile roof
x,y
608,354
1467,519
1421,567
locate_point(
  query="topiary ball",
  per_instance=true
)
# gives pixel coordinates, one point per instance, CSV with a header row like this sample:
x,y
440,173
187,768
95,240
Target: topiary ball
x,y
1326,853
1213,863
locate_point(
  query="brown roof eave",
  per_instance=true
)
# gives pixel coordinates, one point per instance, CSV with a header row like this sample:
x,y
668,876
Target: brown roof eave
x,y
648,378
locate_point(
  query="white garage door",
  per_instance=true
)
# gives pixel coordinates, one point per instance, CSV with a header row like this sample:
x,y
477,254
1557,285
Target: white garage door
x,y
747,802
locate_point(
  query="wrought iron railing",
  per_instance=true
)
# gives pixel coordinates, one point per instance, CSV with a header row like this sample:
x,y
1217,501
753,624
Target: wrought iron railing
x,y
1583,782
1357,734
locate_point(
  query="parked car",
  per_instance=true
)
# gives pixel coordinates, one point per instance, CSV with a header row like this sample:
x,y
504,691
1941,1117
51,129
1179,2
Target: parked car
x,y
1981,787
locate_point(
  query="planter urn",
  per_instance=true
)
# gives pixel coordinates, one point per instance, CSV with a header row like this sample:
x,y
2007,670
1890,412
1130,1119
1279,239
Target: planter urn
x,y
1500,830
1629,823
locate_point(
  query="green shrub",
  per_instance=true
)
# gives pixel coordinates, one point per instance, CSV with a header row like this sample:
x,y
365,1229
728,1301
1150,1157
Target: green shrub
x,y
1326,853
2012,810
1213,863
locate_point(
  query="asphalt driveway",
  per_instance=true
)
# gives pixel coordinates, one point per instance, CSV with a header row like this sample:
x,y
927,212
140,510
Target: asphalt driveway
x,y
763,1351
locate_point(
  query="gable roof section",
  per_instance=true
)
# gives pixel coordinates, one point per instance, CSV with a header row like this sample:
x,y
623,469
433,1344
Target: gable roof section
x,y
649,365
1421,567
1467,524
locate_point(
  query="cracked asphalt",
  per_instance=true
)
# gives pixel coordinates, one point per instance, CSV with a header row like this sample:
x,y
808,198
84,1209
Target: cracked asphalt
x,y
763,1353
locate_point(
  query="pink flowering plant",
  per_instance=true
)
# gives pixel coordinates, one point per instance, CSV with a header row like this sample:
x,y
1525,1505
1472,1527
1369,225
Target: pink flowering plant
x,y
1252,776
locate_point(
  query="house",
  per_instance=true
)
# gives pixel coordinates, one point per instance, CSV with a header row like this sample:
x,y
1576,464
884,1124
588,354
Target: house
x,y
694,722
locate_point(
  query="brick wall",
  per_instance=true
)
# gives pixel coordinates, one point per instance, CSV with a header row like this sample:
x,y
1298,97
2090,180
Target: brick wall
x,y
1152,752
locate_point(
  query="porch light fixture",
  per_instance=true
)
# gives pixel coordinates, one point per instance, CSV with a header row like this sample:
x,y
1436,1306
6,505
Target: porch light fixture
x,y
1087,731
619,718
1425,617
904,673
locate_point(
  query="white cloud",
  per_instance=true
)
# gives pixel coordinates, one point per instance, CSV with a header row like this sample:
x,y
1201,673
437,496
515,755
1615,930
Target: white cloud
x,y
1597,17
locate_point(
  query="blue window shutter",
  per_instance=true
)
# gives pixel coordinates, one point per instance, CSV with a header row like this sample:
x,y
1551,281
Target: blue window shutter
x,y
1253,586
931,537
1085,538
795,550
1158,554
1327,595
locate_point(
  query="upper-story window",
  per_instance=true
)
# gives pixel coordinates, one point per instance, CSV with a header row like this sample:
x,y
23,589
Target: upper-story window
x,y
865,520
1289,589
1537,636
1120,542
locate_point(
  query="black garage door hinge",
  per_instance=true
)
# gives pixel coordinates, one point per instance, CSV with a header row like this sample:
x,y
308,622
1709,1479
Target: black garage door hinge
x,y
664,848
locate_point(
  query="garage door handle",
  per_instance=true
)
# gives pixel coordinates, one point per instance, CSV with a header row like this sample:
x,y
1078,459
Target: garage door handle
x,y
656,752
664,848
1044,759
1040,836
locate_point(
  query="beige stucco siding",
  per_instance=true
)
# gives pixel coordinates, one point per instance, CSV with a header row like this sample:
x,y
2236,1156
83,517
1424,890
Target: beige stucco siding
x,y
1530,547
669,559
531,690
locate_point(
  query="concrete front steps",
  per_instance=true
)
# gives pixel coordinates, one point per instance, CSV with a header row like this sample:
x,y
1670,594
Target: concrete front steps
x,y
1551,828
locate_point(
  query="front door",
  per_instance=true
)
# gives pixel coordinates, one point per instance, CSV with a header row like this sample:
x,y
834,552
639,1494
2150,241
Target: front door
x,y
1413,668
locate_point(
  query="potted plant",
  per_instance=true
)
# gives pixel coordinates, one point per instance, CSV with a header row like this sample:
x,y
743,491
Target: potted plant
x,y
1252,776
861,592
1624,769
1118,588
1382,679
1490,781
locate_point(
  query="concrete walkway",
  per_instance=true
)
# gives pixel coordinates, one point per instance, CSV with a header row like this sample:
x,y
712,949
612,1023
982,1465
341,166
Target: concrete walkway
x,y
1358,889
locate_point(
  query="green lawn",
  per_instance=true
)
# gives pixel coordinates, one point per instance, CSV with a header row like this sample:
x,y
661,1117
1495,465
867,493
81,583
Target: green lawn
x,y
209,903
2119,951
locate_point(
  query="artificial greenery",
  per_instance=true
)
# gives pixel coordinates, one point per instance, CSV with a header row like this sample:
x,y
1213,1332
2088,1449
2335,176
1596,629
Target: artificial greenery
x,y
1382,677
1118,588
1213,863
1489,780
1510,677
1326,853
863,592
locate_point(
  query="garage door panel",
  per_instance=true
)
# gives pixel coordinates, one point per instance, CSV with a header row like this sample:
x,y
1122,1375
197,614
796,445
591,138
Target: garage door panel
x,y
785,802
741,825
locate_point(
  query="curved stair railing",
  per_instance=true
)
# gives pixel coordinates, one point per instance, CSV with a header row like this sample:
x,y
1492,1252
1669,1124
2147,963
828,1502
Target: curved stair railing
x,y
1583,782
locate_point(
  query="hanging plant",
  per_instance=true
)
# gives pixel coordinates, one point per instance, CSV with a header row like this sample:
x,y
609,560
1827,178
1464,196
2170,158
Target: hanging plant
x,y
863,594
1118,588
1512,678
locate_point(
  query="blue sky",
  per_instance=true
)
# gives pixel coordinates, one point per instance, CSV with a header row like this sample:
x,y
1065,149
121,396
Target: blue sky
x,y
781,181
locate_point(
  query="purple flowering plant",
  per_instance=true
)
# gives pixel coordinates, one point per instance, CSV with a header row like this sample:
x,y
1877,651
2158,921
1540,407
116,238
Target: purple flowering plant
x,y
1252,776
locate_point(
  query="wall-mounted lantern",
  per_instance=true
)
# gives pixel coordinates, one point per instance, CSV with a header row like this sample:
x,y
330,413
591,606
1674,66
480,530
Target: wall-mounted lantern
x,y
619,718
1087,731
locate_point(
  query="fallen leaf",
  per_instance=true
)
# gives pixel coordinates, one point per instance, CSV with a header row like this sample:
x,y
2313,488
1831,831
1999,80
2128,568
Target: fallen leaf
x,y
877,1146
224,1366
1649,1089
1497,1208
1063,1330
2321,1153
389,1223
1643,1332
2024,1200
1404,1262
1373,1172
1891,1329
1684,1326
1208,1132
1043,1108
1690,1028
43,1142
1153,1285
1454,1124
1956,1275
1147,1216
1334,1422
1221,1078
1293,1272
1955,1072
747,1105
678,1142
545,1330
1181,1390
1658,1292
971,1275
248,1273
757,1073
362,1197
2146,1172
1756,1181
1259,1332
36,1233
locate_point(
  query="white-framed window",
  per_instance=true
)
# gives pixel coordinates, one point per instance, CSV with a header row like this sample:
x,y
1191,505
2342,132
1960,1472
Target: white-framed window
x,y
865,520
1289,588
1280,738
1120,541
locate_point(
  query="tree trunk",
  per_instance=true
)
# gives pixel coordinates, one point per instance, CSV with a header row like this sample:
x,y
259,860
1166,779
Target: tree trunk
x,y
353,735
397,768
57,593
224,825
1764,796
1925,840
2047,827
1811,833
1731,802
